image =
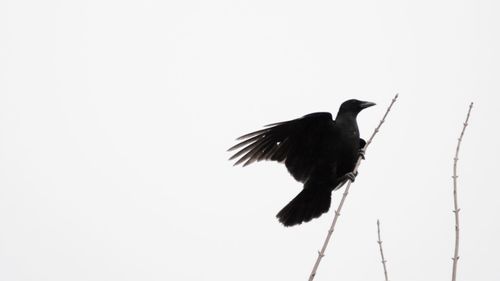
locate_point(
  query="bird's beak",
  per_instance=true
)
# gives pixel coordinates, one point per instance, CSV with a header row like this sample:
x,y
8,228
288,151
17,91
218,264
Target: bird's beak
x,y
366,104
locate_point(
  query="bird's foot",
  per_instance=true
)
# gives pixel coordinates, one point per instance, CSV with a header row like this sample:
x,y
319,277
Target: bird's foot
x,y
351,176
361,153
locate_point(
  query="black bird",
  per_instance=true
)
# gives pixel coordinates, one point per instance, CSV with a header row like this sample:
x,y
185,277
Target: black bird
x,y
317,151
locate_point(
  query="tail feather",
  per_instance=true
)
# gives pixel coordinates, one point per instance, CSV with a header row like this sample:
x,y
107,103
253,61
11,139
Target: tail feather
x,y
310,203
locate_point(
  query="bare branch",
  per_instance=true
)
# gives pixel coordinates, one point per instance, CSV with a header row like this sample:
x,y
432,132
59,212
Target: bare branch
x,y
456,210
382,251
321,253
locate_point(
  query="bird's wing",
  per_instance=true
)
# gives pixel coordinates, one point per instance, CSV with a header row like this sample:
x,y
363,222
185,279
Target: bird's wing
x,y
281,141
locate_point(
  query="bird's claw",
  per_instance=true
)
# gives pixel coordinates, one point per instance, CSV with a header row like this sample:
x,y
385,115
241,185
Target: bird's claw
x,y
361,153
351,176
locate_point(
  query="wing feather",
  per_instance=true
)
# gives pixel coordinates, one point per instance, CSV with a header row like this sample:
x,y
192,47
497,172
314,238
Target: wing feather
x,y
245,142
296,142
254,153
259,132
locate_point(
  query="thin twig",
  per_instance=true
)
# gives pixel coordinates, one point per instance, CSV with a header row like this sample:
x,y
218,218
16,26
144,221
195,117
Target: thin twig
x,y
321,253
456,210
384,261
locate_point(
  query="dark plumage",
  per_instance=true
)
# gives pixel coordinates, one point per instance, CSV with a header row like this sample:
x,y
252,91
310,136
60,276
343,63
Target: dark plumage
x,y
317,151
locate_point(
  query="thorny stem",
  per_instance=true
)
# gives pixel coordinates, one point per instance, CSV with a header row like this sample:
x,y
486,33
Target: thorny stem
x,y
455,197
321,253
384,261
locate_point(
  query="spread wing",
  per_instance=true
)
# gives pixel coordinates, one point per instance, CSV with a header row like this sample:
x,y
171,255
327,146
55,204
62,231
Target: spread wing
x,y
299,143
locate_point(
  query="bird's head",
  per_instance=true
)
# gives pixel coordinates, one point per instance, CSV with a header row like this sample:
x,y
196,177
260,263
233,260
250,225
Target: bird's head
x,y
354,106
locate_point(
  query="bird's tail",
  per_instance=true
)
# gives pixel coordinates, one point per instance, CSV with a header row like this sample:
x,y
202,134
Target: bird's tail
x,y
310,203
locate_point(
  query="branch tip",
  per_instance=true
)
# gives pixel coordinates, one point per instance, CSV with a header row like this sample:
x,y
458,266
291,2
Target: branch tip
x,y
456,209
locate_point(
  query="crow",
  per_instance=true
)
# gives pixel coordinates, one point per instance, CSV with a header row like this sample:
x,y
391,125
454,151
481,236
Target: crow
x,y
317,151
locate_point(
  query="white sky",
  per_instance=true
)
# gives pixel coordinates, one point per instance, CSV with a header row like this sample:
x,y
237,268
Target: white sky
x,y
115,117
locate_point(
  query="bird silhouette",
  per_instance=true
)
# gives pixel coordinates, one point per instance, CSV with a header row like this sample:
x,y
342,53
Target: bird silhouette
x,y
317,151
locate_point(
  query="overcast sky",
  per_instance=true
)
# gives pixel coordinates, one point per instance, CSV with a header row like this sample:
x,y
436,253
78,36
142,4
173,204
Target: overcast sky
x,y
115,117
